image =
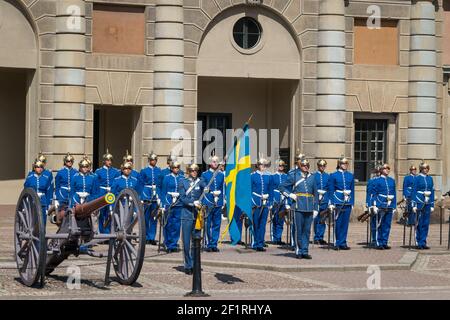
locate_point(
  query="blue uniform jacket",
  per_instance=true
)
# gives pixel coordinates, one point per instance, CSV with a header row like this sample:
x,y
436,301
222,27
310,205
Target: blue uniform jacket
x,y
150,176
277,179
83,183
190,191
261,185
105,178
42,185
46,173
422,183
217,185
123,182
63,180
408,186
338,182
171,183
322,184
382,188
165,172
304,187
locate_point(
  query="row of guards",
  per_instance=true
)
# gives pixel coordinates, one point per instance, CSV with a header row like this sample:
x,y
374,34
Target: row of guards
x,y
187,205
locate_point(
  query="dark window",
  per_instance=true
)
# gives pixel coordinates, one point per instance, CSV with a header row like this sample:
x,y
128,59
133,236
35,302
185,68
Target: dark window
x,y
247,32
370,146
220,121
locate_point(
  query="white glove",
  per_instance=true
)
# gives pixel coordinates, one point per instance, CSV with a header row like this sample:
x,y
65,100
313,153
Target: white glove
x,y
224,202
331,207
315,213
394,211
163,209
206,190
56,203
414,209
197,204
270,207
216,193
158,202
293,196
432,209
375,209
288,207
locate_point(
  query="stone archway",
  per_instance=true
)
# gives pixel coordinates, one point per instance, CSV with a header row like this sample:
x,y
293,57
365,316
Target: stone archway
x,y
18,97
263,81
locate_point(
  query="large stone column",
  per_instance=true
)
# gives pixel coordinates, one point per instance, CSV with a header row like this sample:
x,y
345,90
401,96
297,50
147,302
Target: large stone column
x,y
70,80
168,82
422,119
330,109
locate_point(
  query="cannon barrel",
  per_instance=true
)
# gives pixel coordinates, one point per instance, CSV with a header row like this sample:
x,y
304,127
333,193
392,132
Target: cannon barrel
x,y
86,209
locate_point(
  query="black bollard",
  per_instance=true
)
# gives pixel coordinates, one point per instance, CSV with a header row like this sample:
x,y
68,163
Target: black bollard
x,y
197,274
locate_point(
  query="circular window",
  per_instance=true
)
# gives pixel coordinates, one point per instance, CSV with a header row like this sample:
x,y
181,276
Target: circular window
x,y
247,33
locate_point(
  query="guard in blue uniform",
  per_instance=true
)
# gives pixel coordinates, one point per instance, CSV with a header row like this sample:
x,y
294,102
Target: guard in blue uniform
x,y
129,158
341,188
214,201
422,199
385,204
408,183
262,198
164,172
150,178
371,205
300,186
42,185
321,178
46,172
63,181
170,198
126,180
105,178
83,187
190,193
279,204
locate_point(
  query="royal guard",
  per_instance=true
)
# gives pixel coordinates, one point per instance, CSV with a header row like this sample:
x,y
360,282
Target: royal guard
x,y
46,172
422,201
384,205
262,198
341,188
150,195
279,203
164,172
105,178
370,203
83,187
126,180
408,183
63,181
321,178
42,185
129,158
190,193
213,201
300,186
170,198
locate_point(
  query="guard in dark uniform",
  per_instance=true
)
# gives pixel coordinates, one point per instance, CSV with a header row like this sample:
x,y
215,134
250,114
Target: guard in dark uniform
x,y
190,192
63,180
408,183
321,178
279,203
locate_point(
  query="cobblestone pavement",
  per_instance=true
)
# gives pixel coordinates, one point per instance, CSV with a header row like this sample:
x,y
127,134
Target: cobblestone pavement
x,y
237,273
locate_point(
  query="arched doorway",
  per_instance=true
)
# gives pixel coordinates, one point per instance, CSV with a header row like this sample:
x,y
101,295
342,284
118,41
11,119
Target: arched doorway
x,y
249,64
18,103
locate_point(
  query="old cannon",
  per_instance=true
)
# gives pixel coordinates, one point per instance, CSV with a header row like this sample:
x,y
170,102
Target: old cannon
x,y
37,253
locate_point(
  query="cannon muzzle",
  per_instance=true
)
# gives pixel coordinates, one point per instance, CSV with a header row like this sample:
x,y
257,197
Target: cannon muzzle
x,y
86,209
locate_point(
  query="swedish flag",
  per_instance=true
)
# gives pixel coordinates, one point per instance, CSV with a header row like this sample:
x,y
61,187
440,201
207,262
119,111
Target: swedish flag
x,y
238,184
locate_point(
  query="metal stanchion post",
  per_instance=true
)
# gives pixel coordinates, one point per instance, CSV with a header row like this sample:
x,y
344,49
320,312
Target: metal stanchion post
x,y
197,274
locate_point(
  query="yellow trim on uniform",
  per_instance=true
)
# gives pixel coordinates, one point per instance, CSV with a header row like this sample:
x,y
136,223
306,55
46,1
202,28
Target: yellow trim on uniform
x,y
301,194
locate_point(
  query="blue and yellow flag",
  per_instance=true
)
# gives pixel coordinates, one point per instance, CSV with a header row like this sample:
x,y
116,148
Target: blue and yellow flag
x,y
238,185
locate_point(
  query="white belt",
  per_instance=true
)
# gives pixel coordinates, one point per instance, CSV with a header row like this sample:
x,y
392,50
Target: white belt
x,y
264,196
106,188
387,196
276,191
41,194
322,192
427,193
66,188
150,186
344,191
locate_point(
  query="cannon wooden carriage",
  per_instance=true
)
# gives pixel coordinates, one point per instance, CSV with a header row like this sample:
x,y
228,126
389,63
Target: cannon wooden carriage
x,y
38,254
